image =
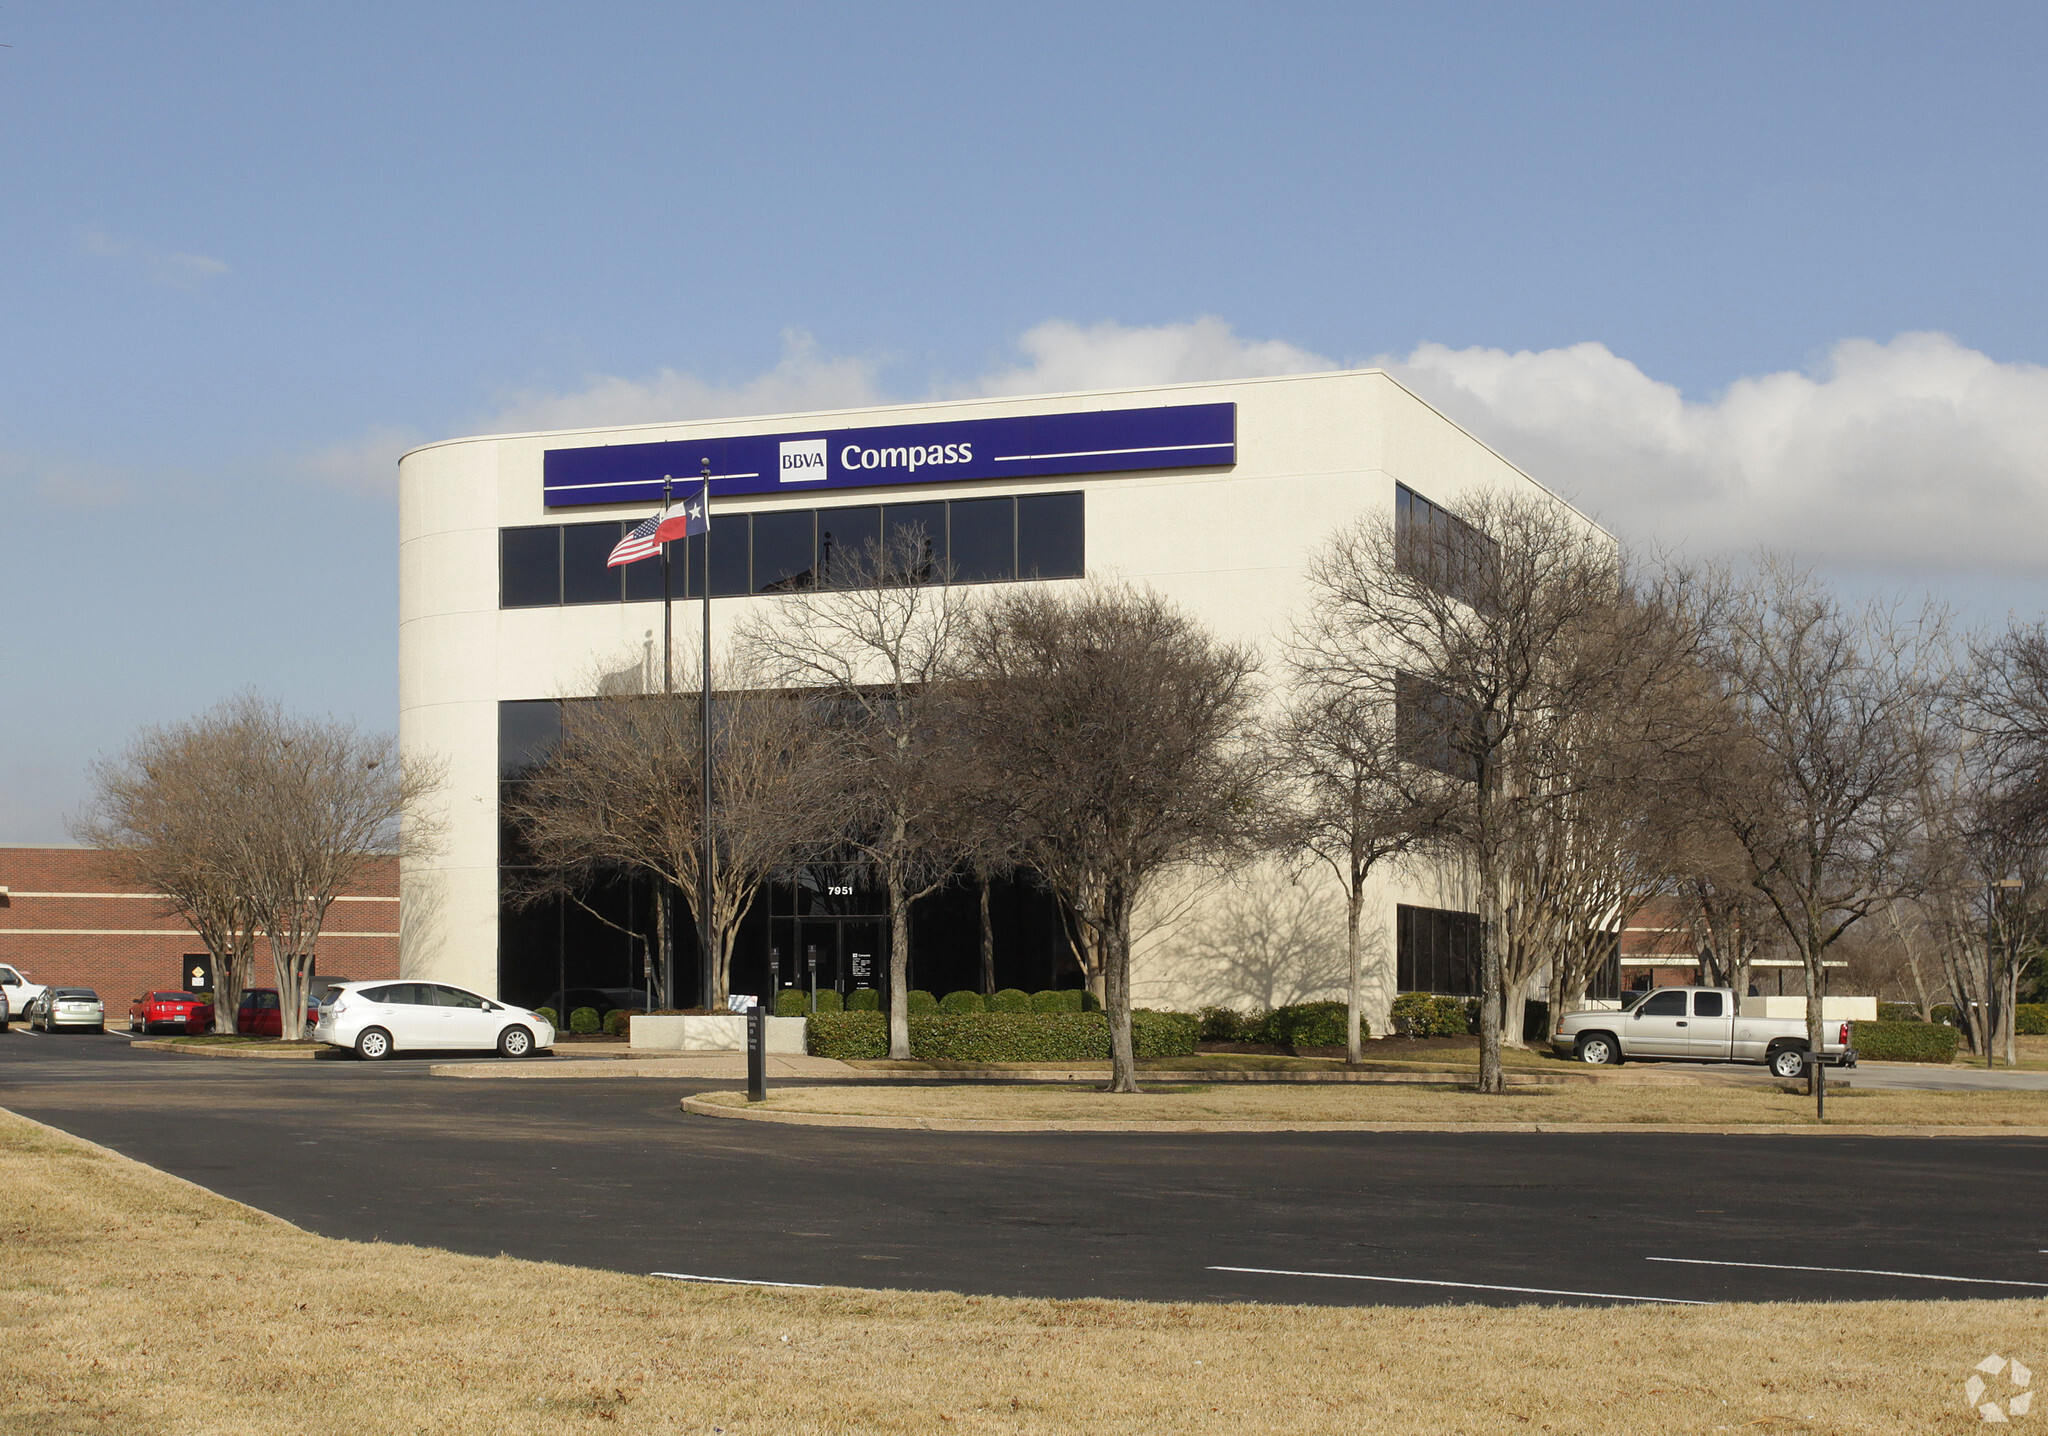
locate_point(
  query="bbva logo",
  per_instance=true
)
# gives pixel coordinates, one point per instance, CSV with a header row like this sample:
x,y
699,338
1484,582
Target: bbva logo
x,y
803,461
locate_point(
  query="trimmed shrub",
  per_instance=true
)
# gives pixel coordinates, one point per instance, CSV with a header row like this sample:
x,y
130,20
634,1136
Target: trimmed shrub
x,y
864,999
1898,1012
2032,1019
999,1036
1945,1013
792,1002
1220,1024
848,1036
829,1000
1309,1024
1009,999
1904,1041
1089,1001
1066,999
1418,1014
961,1003
552,1017
922,1001
615,1021
584,1020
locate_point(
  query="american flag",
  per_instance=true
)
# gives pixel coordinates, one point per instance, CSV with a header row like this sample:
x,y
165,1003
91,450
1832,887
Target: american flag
x,y
686,520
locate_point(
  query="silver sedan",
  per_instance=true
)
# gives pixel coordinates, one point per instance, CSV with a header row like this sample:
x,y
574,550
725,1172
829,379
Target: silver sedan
x,y
69,1007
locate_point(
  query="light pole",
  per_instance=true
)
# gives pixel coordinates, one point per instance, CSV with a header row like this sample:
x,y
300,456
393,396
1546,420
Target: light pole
x,y
1990,963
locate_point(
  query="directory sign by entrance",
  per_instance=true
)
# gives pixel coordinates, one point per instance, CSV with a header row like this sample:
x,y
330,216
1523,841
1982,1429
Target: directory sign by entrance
x,y
1177,436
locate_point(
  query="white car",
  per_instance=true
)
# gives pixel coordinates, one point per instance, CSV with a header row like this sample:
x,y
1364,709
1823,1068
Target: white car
x,y
375,1019
18,990
69,1007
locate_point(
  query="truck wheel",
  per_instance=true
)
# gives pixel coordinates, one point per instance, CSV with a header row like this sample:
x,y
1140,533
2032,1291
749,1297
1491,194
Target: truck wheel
x,y
1597,1049
1788,1062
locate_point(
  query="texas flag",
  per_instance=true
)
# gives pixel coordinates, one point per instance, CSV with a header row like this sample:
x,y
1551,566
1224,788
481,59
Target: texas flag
x,y
684,520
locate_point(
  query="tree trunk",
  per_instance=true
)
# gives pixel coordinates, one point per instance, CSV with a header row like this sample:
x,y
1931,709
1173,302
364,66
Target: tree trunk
x,y
1354,1039
1116,954
899,968
988,944
1514,1008
1491,1079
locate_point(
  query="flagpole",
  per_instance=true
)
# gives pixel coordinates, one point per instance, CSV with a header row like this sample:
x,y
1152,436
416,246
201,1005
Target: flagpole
x,y
668,668
708,935
668,688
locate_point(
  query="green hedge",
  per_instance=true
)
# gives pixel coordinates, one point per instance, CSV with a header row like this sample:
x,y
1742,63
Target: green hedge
x,y
864,999
999,1036
1303,1024
1064,999
961,1003
1221,1024
1904,1041
1945,1013
1009,999
550,1016
1418,1014
922,1002
1898,1012
584,1020
2033,1019
615,1021
792,1002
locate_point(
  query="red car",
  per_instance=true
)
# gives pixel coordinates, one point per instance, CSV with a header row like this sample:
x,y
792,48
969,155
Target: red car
x,y
182,1010
260,1016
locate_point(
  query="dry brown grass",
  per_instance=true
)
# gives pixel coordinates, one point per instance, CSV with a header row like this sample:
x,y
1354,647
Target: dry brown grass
x,y
1737,1105
135,1303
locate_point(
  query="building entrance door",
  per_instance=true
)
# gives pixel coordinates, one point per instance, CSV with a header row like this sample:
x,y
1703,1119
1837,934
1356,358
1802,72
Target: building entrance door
x,y
852,953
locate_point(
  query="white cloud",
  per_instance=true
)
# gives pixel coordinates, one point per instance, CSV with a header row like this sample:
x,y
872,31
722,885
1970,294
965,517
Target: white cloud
x,y
165,267
367,464
65,483
1916,455
802,379
1063,356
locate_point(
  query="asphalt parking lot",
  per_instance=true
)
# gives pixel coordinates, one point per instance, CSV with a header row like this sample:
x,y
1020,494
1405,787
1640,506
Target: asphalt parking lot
x,y
608,1173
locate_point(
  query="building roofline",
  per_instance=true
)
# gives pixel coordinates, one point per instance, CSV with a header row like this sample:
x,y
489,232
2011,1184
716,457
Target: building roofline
x,y
922,404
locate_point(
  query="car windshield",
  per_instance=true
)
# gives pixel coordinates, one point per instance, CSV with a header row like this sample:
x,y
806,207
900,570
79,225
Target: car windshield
x,y
1630,999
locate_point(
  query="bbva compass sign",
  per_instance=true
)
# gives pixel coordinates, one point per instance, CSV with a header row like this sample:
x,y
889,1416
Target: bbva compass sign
x,y
1177,436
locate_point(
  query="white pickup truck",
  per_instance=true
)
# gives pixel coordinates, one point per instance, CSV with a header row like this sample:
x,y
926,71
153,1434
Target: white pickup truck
x,y
18,991
1698,1024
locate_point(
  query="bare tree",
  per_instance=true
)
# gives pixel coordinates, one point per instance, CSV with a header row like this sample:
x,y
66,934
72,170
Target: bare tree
x,y
1352,804
877,641
1819,791
261,820
1121,734
164,814
623,793
1476,627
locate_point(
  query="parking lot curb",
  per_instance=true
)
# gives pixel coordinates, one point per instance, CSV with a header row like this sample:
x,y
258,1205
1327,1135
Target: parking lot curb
x,y
706,1108
274,1054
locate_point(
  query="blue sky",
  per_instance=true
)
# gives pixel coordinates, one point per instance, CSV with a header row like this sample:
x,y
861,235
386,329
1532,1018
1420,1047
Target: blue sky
x,y
253,250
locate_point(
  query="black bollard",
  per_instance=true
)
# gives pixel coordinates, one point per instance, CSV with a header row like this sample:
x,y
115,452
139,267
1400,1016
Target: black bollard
x,y
757,1053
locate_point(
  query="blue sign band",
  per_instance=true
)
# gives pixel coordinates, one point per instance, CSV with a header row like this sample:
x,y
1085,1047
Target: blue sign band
x,y
1181,436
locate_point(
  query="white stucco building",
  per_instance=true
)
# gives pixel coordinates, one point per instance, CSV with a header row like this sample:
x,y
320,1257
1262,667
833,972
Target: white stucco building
x,y
1212,493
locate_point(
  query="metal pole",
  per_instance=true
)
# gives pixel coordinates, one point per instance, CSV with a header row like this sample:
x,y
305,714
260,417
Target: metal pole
x,y
662,890
707,935
1990,969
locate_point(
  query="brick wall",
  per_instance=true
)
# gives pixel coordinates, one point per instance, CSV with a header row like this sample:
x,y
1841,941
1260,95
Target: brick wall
x,y
64,920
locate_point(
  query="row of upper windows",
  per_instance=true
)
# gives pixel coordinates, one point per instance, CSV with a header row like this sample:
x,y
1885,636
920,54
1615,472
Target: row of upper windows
x,y
1441,549
986,540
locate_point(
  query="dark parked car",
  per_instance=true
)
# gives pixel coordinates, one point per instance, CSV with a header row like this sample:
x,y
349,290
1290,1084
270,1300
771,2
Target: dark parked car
x,y
260,1016
185,1011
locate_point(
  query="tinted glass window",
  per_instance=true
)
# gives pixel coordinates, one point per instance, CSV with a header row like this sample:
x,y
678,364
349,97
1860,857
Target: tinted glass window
x,y
1049,536
916,538
1664,1004
527,732
846,540
643,579
984,540
384,994
531,567
729,545
455,996
585,579
1704,1004
784,550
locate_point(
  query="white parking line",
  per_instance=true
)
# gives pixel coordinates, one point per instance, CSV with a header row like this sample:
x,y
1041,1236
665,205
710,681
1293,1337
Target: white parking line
x,y
1852,1271
734,1280
1467,1285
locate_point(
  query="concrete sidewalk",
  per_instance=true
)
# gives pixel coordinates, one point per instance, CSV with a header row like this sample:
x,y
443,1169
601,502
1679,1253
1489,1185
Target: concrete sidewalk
x,y
711,1066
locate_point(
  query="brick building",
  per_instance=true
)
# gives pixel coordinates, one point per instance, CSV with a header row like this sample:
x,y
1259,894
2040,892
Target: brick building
x,y
65,920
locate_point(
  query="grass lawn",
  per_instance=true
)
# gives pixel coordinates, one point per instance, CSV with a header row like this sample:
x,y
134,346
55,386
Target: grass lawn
x,y
135,1303
1747,1105
1392,1055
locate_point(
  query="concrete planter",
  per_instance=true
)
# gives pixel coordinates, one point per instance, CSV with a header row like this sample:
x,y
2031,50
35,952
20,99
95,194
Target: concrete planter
x,y
713,1034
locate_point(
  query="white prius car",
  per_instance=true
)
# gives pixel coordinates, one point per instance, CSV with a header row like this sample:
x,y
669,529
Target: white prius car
x,y
375,1019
